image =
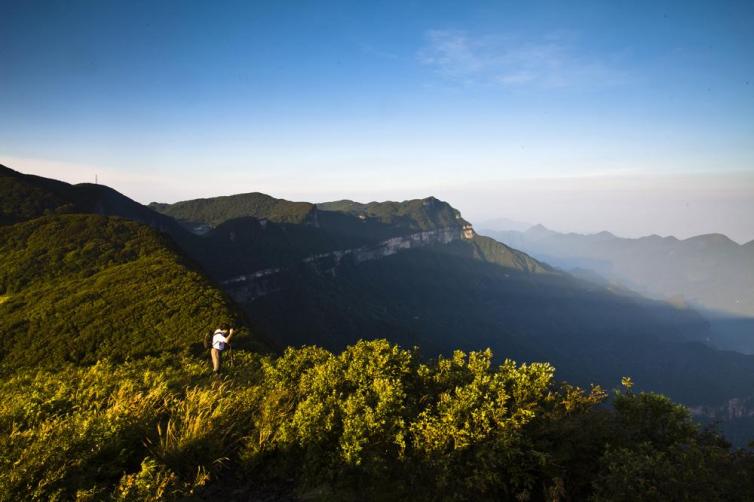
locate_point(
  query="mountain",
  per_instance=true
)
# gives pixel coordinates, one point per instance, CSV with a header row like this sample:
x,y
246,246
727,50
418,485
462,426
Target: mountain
x,y
82,287
440,297
251,240
710,272
417,272
200,215
260,234
24,196
401,218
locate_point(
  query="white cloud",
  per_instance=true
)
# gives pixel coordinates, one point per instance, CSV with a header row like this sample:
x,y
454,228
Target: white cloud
x,y
509,62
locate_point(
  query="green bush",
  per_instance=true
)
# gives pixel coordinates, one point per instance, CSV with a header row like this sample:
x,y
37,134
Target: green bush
x,y
373,422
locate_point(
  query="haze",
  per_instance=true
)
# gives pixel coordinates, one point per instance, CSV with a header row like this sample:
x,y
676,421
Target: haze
x,y
636,118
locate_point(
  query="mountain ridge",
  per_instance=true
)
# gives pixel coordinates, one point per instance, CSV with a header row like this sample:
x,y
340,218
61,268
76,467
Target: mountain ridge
x,y
87,273
213,211
58,197
471,292
539,228
711,272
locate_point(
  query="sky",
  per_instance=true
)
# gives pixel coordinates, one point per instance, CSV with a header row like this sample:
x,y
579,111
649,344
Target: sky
x,y
633,117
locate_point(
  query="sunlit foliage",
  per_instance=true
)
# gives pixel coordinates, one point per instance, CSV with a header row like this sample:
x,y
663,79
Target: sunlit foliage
x,y
373,422
82,287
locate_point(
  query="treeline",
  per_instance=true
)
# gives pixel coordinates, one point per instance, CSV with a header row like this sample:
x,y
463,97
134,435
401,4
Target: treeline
x,y
375,422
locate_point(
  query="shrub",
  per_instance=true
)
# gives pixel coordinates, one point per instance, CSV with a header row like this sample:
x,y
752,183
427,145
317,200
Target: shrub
x,y
372,422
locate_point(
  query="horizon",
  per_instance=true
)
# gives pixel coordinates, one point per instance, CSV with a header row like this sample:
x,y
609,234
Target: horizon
x,y
480,225
630,118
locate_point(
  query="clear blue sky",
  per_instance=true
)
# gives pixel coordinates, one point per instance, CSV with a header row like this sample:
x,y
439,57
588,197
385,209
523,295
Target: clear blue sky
x,y
573,114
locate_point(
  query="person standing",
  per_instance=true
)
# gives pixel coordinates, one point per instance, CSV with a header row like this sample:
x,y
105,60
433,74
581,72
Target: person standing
x,y
220,341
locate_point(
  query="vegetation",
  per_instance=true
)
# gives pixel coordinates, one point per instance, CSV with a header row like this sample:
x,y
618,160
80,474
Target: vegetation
x,y
24,197
248,232
217,210
21,199
494,295
403,217
107,393
82,287
373,421
441,298
489,250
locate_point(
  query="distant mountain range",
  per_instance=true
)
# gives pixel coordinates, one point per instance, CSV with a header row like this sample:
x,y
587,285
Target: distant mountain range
x,y
500,224
709,272
415,272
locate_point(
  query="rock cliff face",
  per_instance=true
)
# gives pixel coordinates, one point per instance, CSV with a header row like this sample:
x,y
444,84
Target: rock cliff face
x,y
247,287
412,241
732,409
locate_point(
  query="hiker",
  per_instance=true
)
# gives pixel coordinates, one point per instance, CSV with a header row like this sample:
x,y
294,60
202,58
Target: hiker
x,y
220,341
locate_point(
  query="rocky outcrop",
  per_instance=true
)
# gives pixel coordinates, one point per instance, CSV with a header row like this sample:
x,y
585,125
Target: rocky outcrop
x,y
730,410
247,287
416,240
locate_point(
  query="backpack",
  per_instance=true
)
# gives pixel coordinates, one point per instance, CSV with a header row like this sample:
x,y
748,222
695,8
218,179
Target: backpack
x,y
208,339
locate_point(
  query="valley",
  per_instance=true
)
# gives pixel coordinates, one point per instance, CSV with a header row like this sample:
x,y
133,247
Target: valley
x,y
93,282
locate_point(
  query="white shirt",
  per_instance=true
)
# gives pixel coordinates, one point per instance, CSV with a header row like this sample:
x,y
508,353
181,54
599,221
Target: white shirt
x,y
219,340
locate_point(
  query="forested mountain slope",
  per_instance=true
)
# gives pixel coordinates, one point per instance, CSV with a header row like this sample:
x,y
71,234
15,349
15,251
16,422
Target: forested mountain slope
x,y
214,211
417,273
257,232
24,196
83,287
80,287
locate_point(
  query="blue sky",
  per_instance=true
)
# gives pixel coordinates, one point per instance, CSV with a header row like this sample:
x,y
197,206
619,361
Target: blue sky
x,y
627,116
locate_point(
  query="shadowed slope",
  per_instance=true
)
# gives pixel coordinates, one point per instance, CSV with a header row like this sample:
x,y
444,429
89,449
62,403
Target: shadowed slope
x,y
24,197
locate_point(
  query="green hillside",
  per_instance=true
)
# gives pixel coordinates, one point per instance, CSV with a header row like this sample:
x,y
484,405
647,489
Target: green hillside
x,y
489,250
24,197
83,287
216,210
254,231
106,392
244,245
407,216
